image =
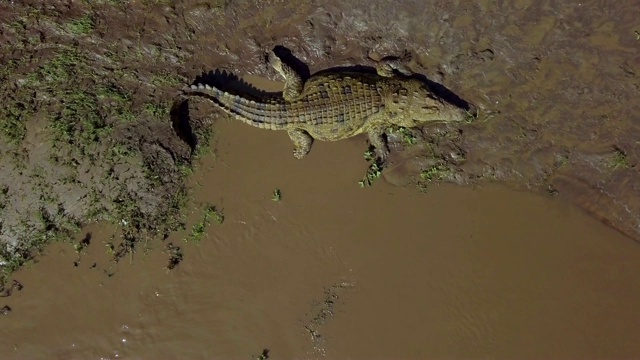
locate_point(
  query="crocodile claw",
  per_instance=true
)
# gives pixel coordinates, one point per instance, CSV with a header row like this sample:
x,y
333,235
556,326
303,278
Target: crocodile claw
x,y
381,155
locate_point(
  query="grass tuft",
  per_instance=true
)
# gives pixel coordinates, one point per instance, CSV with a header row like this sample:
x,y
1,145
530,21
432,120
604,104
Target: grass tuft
x,y
373,173
620,160
199,229
277,195
81,26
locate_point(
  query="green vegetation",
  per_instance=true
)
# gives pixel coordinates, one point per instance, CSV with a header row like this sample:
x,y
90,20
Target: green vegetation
x,y
406,134
199,229
157,111
369,155
168,80
561,160
79,122
619,160
111,249
277,195
12,122
81,26
119,102
435,172
111,2
86,109
119,151
11,261
61,70
373,173
157,2
82,244
263,356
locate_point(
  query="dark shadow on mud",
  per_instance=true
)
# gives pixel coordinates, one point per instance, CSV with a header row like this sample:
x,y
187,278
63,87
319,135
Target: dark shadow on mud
x,y
438,89
86,240
232,84
181,124
288,58
223,80
449,96
15,285
8,291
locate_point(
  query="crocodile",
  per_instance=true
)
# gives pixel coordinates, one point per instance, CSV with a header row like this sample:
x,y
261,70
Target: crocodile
x,y
335,105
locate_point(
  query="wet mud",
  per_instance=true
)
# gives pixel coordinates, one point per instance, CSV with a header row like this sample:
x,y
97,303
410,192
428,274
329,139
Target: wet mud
x,y
515,234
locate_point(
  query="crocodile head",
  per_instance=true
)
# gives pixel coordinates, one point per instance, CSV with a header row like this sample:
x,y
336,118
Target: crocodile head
x,y
420,103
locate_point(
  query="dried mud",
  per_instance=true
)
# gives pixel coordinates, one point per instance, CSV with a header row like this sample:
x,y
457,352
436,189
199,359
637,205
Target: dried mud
x,y
86,136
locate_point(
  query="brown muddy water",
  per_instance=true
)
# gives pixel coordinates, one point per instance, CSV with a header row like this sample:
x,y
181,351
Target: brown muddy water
x,y
336,271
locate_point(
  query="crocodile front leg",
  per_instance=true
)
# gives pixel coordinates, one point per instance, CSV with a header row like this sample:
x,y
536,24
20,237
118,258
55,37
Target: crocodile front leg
x,y
378,140
302,142
389,63
293,83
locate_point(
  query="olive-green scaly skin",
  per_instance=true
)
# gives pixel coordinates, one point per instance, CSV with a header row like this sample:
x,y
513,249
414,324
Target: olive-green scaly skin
x,y
337,105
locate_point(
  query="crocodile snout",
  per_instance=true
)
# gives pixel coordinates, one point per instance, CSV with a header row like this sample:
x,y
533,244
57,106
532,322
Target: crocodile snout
x,y
472,110
465,112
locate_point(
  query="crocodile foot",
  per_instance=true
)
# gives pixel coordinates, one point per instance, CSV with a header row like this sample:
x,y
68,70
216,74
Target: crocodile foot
x,y
302,142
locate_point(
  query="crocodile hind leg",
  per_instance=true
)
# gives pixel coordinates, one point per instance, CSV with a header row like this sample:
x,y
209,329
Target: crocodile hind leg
x,y
389,63
302,142
293,82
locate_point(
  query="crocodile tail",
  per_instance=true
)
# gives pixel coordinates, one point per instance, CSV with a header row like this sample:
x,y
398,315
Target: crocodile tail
x,y
265,115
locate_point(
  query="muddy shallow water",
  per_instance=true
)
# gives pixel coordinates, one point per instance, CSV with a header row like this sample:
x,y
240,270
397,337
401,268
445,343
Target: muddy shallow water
x,y
338,271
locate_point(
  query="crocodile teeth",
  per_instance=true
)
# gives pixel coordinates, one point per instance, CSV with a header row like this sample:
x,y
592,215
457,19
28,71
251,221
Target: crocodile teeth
x,y
194,87
207,87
